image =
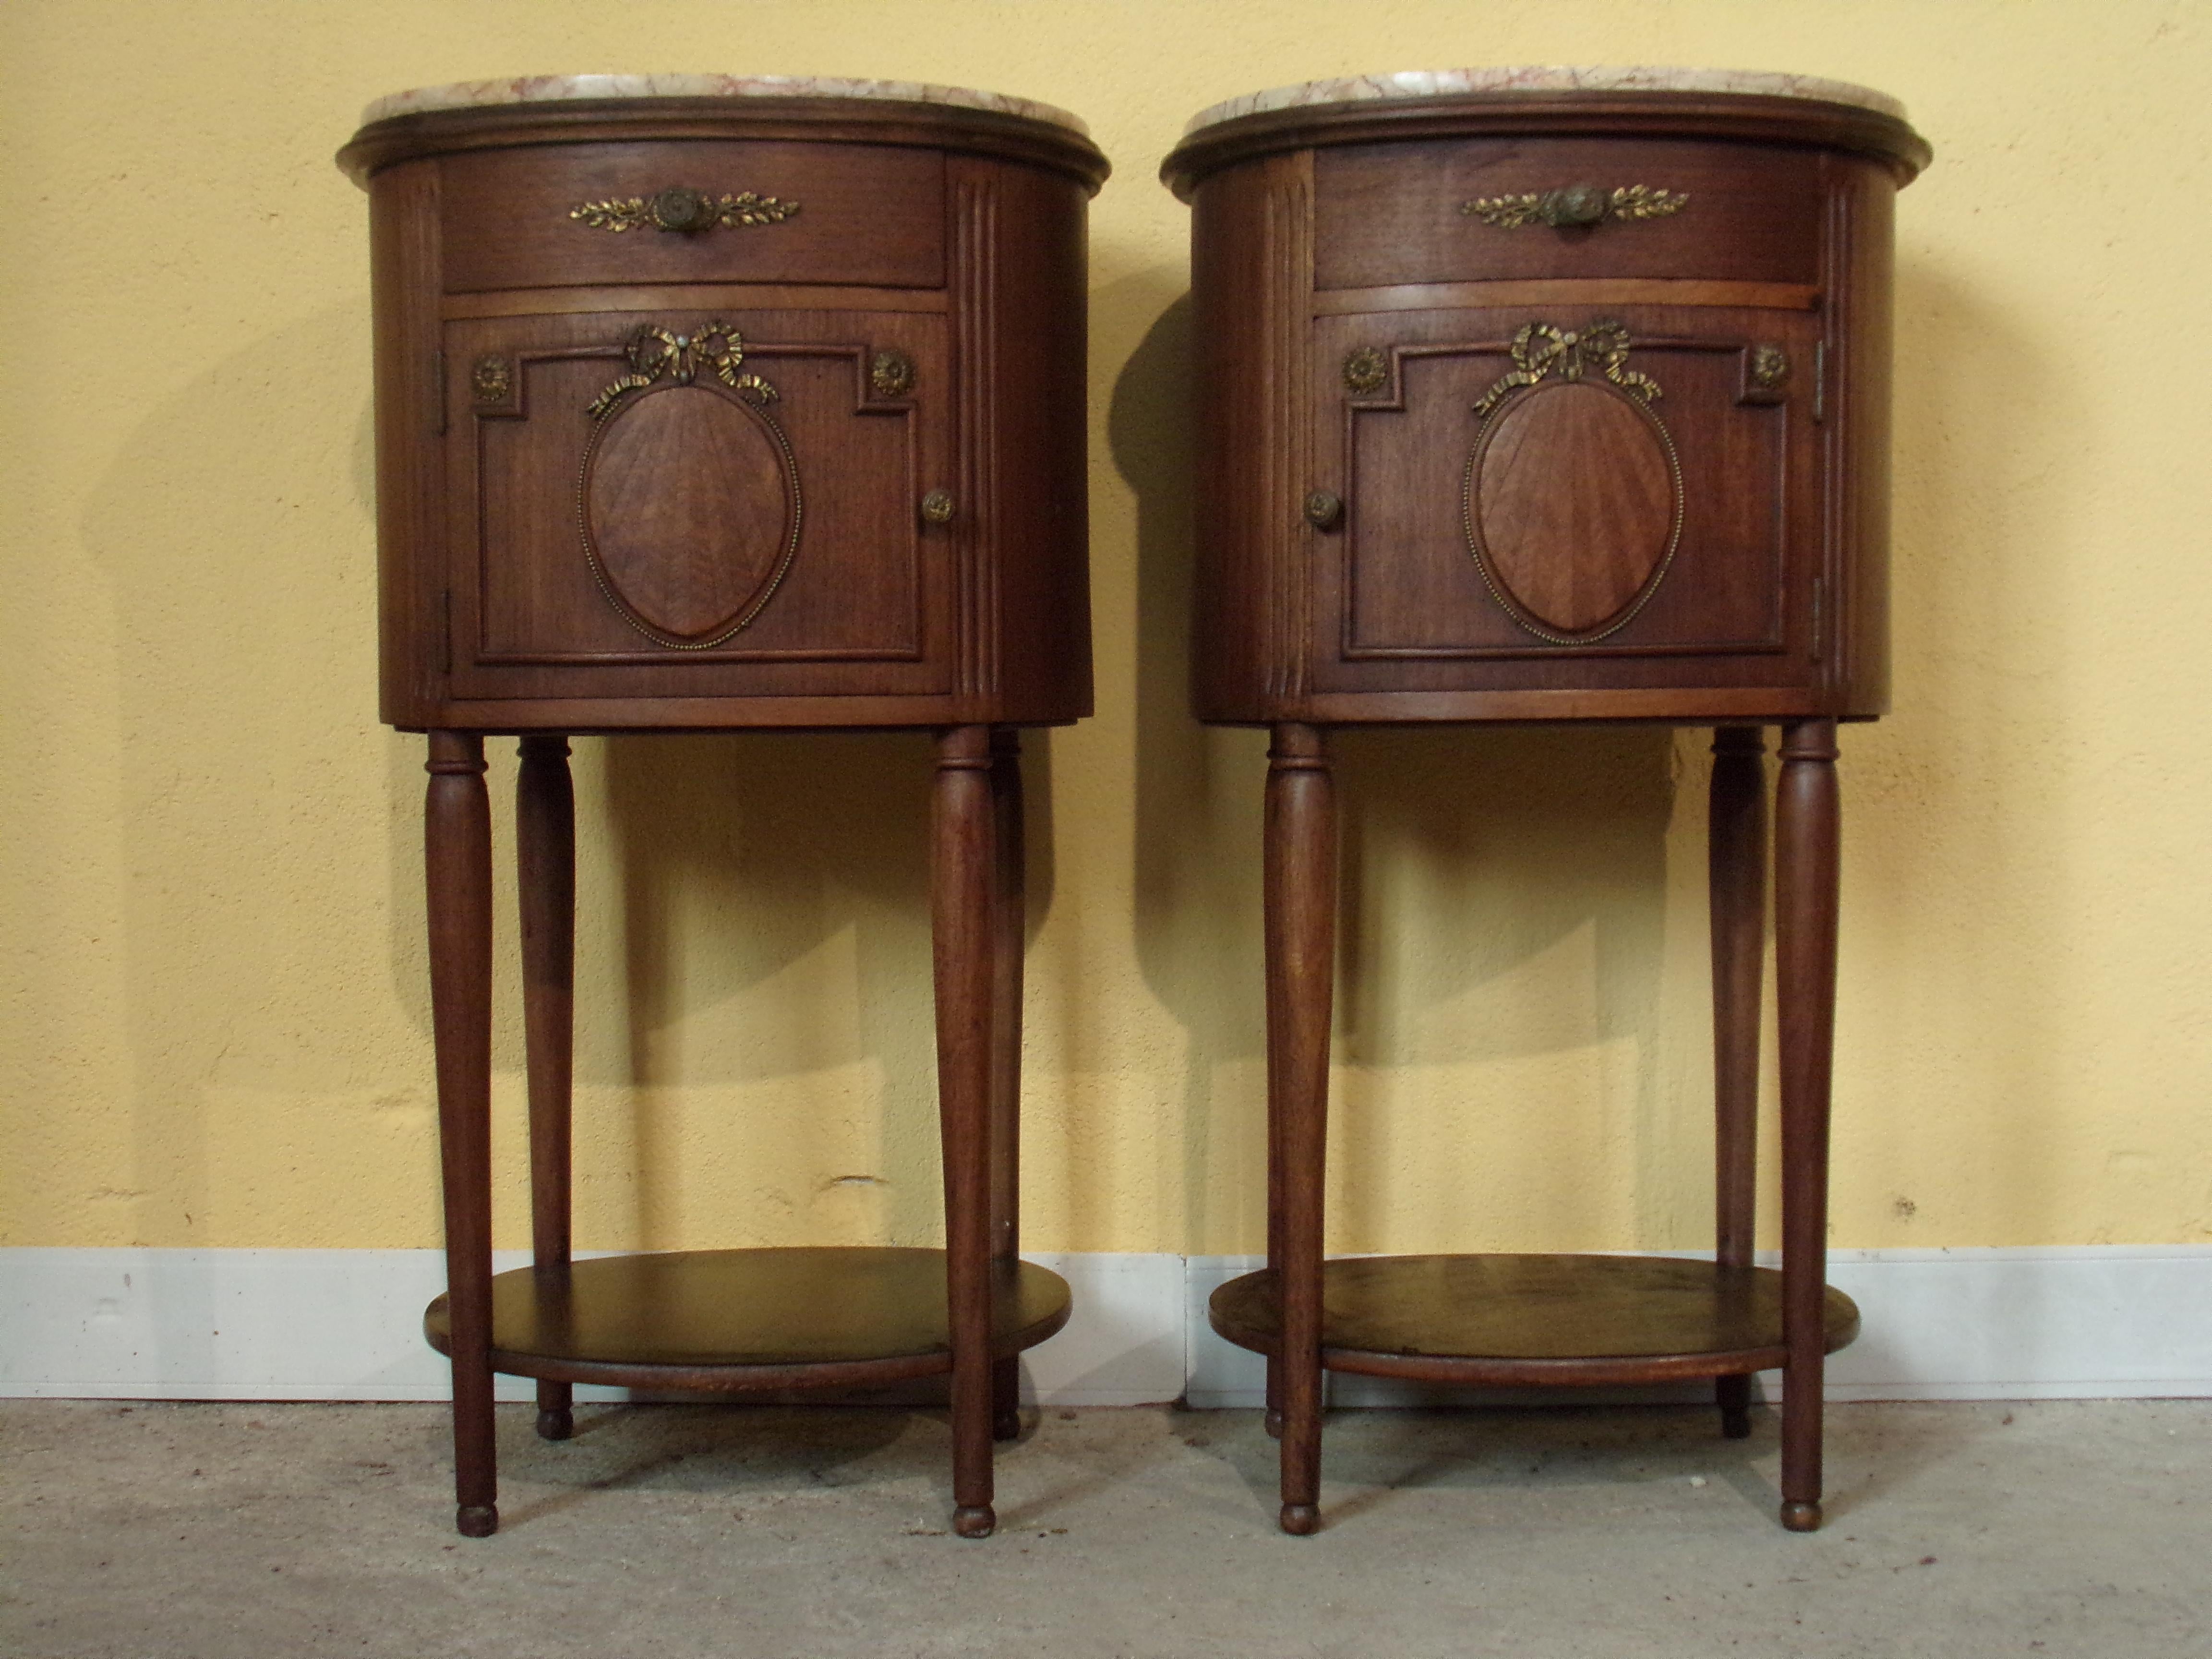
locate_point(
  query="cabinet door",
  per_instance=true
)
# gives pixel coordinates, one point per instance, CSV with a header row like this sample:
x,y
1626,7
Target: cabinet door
x,y
1565,498
686,504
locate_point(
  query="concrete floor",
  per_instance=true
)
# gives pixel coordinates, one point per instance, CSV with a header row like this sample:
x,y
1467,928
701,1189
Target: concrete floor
x,y
207,1531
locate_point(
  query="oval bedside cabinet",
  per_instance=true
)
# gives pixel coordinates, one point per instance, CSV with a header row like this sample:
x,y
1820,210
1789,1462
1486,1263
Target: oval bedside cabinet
x,y
1533,395
708,404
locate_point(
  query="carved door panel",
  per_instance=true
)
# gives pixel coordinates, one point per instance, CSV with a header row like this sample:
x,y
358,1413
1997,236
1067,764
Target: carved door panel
x,y
685,504
1633,495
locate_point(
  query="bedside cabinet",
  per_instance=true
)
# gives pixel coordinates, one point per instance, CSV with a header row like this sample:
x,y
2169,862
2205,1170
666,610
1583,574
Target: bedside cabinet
x,y
1532,395
716,404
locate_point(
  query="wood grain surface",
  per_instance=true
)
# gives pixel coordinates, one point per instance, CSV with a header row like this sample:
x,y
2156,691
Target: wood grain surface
x,y
1571,498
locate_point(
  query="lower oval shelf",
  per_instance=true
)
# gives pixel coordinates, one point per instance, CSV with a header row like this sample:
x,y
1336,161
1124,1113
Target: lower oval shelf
x,y
749,1319
1522,1320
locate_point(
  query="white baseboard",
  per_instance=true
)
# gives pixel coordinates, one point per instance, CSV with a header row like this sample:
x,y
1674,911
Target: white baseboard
x,y
2089,1322
144,1324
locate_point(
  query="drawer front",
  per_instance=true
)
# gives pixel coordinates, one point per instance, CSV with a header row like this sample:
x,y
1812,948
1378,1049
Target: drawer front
x,y
1479,209
553,215
683,504
1566,498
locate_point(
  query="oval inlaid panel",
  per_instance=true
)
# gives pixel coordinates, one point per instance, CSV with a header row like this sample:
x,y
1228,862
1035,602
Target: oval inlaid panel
x,y
1573,503
690,505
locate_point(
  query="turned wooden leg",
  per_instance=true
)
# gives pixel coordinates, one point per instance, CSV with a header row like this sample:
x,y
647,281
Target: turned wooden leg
x,y
1301,945
457,870
545,857
1736,831
1009,922
1807,834
963,893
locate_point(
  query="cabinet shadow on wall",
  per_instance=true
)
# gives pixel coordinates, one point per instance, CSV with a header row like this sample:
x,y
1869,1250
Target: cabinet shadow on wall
x,y
1467,854
765,914
735,856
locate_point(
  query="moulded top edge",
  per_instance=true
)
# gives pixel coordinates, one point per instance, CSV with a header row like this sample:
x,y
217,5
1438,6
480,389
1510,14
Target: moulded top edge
x,y
553,88
1557,77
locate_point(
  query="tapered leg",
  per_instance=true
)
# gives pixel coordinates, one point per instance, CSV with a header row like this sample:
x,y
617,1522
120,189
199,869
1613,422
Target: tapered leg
x,y
964,892
1008,926
1273,1417
1736,831
1277,1034
456,868
1300,944
545,856
1807,834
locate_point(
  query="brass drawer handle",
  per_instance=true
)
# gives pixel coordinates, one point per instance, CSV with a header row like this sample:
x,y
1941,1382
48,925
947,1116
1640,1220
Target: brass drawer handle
x,y
1575,205
937,507
1324,509
684,210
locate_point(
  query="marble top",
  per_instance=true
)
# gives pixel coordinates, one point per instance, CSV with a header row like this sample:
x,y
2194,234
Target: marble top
x,y
542,88
1556,78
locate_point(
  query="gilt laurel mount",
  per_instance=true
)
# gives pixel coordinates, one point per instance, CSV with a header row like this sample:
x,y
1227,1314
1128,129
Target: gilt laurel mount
x,y
1573,205
1539,349
681,209
653,352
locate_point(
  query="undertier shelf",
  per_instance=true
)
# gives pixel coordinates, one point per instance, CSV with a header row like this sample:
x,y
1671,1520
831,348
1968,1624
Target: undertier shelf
x,y
749,1319
1516,1320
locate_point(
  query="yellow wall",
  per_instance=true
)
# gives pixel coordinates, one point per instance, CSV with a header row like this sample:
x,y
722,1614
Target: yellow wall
x,y
216,1021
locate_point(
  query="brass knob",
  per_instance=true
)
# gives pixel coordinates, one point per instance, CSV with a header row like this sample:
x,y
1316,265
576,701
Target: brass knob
x,y
1324,509
1577,205
937,507
678,208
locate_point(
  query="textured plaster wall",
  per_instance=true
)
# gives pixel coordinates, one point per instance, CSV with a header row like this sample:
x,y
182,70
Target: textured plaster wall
x,y
216,1021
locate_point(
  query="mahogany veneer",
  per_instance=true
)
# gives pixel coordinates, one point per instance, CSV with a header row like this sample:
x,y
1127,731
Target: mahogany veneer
x,y
1534,406
724,414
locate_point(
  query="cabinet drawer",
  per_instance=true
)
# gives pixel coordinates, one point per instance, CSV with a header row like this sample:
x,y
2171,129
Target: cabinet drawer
x,y
861,214
1446,211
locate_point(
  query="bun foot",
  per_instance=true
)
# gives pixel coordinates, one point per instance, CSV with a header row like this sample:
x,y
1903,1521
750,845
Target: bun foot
x,y
556,1425
1301,1520
1274,1425
1736,1422
1006,1425
477,1520
1802,1517
974,1521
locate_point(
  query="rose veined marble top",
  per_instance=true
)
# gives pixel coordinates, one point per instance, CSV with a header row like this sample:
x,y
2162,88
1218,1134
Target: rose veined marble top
x,y
1443,83
539,88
